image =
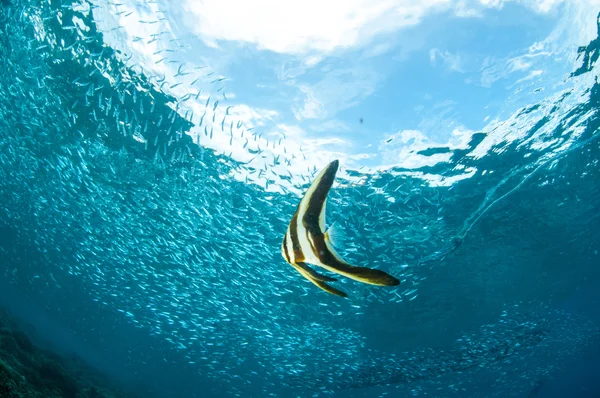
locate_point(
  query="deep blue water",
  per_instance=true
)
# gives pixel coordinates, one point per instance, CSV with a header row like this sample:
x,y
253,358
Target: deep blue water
x,y
155,265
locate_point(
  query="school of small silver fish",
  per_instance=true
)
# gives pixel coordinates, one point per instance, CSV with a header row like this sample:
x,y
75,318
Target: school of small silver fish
x,y
104,192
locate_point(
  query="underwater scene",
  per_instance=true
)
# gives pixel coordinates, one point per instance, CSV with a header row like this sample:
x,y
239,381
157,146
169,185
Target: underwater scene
x,y
165,169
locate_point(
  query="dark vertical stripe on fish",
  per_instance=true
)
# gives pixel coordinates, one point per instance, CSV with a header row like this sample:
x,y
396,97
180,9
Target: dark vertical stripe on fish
x,y
297,249
309,238
285,249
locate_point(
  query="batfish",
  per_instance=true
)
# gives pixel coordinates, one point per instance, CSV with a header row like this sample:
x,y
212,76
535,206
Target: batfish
x,y
307,241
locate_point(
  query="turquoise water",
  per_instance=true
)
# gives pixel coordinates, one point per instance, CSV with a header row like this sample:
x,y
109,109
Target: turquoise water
x,y
154,256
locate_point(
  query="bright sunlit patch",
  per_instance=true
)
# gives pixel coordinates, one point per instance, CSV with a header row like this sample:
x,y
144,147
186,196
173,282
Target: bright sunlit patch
x,y
326,61
297,27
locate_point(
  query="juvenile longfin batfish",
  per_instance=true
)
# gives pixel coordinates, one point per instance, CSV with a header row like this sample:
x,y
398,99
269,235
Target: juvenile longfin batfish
x,y
306,240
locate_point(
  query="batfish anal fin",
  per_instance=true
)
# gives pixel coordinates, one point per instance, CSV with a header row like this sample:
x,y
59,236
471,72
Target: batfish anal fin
x,y
314,274
320,284
329,289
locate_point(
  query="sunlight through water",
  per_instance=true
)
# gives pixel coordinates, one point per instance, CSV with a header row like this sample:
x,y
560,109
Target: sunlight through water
x,y
152,157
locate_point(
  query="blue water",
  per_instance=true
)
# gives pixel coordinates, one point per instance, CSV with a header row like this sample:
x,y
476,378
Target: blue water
x,y
159,267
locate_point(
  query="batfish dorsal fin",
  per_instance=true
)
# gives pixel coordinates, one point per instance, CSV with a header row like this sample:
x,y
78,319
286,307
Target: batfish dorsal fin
x,y
312,206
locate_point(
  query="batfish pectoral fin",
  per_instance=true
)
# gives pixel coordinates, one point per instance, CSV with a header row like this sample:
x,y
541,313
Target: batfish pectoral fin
x,y
308,273
334,235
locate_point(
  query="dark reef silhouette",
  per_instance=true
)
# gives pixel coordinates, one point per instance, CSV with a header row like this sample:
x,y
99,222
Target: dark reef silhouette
x,y
29,371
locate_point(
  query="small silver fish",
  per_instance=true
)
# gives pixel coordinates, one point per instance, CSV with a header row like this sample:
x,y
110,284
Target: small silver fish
x,y
306,240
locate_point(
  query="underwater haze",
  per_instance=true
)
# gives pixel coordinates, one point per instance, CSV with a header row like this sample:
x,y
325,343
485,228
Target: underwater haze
x,y
153,153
